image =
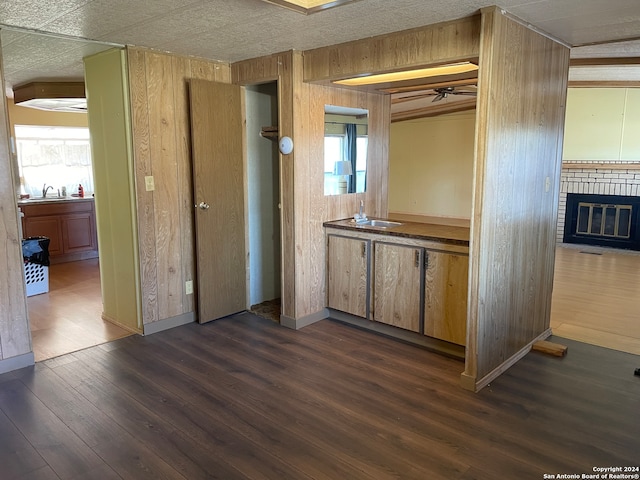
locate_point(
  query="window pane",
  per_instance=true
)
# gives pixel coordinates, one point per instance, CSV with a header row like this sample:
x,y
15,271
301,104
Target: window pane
x,y
55,156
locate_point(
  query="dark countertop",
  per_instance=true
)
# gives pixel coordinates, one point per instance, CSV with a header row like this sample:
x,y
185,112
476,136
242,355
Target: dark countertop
x,y
40,201
421,231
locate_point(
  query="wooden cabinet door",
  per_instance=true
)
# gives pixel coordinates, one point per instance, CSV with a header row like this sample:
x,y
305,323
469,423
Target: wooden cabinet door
x,y
348,279
397,285
445,296
45,226
78,232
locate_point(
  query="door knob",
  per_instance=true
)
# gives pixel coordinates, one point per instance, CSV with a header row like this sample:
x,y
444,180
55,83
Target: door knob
x,y
203,206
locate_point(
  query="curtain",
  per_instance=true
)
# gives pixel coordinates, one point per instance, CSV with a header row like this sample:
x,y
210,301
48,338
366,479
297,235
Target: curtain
x,y
350,154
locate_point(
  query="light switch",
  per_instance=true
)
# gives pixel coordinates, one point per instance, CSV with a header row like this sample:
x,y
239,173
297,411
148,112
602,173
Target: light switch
x,y
148,183
547,184
188,286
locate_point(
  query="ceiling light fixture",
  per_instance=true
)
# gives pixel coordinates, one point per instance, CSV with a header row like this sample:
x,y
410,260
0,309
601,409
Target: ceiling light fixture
x,y
309,6
451,69
59,96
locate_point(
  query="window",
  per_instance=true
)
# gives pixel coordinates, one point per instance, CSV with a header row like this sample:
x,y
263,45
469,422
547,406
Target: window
x,y
56,156
333,151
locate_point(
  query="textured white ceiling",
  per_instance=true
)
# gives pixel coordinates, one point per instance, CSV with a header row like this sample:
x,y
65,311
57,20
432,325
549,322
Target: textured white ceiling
x,y
232,30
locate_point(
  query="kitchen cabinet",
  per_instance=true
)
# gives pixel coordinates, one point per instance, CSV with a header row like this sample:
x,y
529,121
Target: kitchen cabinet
x,y
414,276
445,296
348,274
397,281
69,224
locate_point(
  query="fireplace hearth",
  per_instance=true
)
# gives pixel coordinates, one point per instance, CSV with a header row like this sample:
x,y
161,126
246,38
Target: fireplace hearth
x,y
604,220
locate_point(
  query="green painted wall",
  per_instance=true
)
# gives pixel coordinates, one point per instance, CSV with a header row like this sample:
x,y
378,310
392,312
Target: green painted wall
x,y
111,149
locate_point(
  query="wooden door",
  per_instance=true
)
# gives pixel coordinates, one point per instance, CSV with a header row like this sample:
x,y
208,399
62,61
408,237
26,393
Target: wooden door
x,y
397,285
348,280
218,186
445,296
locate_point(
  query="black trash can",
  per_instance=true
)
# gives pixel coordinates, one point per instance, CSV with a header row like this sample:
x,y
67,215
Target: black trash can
x,y
35,252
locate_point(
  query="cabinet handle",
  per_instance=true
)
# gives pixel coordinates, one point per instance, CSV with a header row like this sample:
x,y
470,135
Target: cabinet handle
x,y
426,260
417,258
364,249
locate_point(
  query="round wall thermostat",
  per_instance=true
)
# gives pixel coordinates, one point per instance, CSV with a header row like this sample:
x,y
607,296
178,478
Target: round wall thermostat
x,y
286,145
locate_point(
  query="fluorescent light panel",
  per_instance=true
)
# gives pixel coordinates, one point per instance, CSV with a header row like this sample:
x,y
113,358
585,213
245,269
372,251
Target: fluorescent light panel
x,y
451,69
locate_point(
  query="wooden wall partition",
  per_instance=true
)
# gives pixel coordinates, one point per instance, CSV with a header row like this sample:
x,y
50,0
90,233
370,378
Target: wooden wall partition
x,y
452,41
162,149
318,208
520,121
278,68
15,338
304,206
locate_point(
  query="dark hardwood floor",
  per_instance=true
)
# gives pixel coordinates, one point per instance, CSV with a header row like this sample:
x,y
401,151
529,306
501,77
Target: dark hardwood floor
x,y
245,398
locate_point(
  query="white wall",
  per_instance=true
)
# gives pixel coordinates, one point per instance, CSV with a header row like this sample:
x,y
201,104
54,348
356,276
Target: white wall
x,y
431,166
263,179
602,124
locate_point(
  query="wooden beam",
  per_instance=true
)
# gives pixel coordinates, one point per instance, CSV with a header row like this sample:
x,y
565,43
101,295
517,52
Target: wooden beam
x,y
605,61
603,84
430,111
555,349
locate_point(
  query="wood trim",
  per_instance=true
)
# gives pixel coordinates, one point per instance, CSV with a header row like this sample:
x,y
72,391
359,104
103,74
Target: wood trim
x,y
605,165
168,323
432,344
412,217
467,381
298,323
603,84
128,328
440,43
35,90
604,61
460,106
17,362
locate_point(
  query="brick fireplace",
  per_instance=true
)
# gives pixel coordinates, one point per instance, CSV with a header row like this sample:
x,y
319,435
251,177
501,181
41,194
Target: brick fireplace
x,y
607,183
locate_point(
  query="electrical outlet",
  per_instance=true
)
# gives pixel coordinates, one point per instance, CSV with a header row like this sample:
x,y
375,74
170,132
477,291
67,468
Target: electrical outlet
x,y
188,287
148,183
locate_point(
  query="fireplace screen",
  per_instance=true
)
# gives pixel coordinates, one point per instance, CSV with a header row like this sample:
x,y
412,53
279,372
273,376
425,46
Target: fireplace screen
x,y
604,220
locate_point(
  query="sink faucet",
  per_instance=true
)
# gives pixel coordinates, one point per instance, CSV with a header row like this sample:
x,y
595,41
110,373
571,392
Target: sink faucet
x,y
360,217
45,189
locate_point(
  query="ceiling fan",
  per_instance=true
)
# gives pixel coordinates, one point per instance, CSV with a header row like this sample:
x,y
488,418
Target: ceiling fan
x,y
440,93
444,92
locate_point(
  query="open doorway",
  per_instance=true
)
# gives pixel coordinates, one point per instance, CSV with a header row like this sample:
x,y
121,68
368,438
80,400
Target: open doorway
x,y
263,200
65,316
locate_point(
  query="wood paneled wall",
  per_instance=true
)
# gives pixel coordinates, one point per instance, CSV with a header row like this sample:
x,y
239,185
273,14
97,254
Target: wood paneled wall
x,y
304,206
15,338
162,149
453,41
279,67
521,107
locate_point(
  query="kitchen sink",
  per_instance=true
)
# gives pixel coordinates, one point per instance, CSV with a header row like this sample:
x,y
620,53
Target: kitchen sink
x,y
381,223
